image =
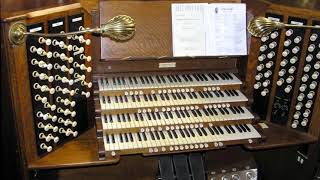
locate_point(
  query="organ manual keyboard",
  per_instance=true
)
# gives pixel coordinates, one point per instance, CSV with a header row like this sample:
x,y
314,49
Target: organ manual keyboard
x,y
160,113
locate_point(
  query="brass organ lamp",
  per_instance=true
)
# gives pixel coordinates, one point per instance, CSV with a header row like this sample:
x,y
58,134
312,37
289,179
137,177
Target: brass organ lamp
x,y
120,28
262,26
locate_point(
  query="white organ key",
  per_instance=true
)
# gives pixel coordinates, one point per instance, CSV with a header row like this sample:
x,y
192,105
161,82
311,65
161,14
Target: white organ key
x,y
83,57
88,84
66,102
42,76
47,127
39,98
63,68
52,107
66,112
78,50
86,94
46,116
68,132
63,79
65,91
45,147
63,57
67,122
49,137
42,40
82,67
41,64
43,88
82,40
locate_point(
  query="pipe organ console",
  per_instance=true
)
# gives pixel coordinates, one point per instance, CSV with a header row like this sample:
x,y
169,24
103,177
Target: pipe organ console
x,y
77,99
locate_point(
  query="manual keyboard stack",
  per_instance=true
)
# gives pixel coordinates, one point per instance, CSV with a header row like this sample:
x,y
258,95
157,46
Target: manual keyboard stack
x,y
167,113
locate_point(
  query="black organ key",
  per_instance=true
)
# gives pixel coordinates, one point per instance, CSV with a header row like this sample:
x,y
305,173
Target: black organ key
x,y
232,110
226,110
174,96
167,96
121,140
135,80
130,80
157,135
131,137
107,139
182,133
178,95
155,97
196,78
139,137
124,118
211,131
235,92
220,130
221,111
216,93
231,128
174,78
147,80
221,76
170,114
239,129
187,113
158,79
186,132
241,109
170,135
174,134
198,131
178,114
221,94
162,135
204,131
112,137
128,117
215,130
227,129
191,132
126,137
169,78
178,78
148,115
182,114
144,136
165,115
152,135
227,92
185,77
189,95
133,98
230,77
205,77
247,127
142,80
243,128
141,117
163,79
153,116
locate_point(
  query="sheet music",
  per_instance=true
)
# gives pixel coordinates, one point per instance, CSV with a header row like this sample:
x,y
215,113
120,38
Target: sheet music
x,y
188,29
201,29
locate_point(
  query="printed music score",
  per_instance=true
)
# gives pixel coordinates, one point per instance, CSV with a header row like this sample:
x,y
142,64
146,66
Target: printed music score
x,y
202,29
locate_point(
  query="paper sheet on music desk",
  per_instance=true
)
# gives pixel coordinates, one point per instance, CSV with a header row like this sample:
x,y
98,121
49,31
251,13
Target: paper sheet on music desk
x,y
201,29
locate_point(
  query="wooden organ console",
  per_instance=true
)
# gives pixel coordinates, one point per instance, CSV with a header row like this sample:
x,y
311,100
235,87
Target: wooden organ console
x,y
96,101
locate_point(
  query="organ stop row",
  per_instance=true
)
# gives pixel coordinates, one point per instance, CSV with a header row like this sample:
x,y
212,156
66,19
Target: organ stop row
x,y
95,100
